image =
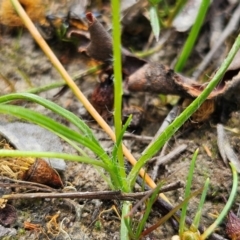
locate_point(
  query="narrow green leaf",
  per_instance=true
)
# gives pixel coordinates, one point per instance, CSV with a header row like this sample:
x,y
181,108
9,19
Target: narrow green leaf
x,y
153,13
197,218
154,2
70,157
119,164
192,36
53,126
227,207
150,203
118,86
120,137
125,222
187,193
55,108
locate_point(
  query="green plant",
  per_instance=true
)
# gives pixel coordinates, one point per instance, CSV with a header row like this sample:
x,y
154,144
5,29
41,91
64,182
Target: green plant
x,y
182,58
135,227
191,232
154,17
113,164
162,13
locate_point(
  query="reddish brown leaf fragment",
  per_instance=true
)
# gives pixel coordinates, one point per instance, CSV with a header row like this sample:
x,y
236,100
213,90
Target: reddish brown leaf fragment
x,y
32,226
233,226
103,96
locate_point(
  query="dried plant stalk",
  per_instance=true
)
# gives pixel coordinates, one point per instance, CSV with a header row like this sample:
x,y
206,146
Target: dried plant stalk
x,y
14,167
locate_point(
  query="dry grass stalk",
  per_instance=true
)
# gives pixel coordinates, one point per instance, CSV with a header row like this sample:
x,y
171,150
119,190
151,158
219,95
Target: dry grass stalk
x,y
14,167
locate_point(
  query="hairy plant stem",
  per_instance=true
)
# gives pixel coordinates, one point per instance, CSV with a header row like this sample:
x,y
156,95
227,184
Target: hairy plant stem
x,y
117,67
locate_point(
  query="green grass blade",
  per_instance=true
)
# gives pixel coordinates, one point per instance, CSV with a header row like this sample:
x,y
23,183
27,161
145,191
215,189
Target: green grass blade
x,y
55,108
171,213
192,36
197,218
62,130
154,21
53,126
150,203
180,120
227,207
187,193
70,157
119,165
119,140
58,84
125,222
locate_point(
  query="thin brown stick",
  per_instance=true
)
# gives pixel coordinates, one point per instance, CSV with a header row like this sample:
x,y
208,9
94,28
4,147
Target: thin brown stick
x,y
169,118
232,25
24,184
168,157
104,195
162,160
15,185
225,149
140,138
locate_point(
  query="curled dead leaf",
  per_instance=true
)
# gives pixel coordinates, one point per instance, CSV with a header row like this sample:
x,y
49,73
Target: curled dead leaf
x,y
100,46
158,78
29,169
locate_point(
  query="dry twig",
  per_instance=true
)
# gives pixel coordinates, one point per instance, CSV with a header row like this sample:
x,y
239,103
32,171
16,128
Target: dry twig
x,y
227,31
106,195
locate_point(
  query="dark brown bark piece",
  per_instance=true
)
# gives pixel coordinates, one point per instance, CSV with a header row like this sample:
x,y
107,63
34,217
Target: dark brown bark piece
x,y
158,78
